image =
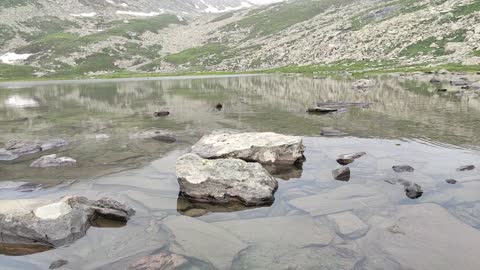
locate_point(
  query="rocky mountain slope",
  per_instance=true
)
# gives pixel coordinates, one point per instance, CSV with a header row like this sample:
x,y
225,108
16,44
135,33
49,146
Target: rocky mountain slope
x,y
90,37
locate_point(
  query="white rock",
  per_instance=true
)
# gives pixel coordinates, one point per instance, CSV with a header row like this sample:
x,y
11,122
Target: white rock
x,y
349,225
53,211
266,148
53,161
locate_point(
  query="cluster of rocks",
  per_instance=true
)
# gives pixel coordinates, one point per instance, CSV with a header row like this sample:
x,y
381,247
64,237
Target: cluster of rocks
x,y
227,167
343,173
15,149
42,225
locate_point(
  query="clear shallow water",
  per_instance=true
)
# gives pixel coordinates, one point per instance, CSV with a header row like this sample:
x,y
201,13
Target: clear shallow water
x,y
408,123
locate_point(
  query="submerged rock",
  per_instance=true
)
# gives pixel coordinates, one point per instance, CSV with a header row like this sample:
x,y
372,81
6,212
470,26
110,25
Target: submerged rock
x,y
219,107
224,181
340,105
322,110
466,168
349,158
330,132
266,147
15,149
451,181
53,161
403,168
150,134
57,264
161,261
55,224
342,174
164,138
348,225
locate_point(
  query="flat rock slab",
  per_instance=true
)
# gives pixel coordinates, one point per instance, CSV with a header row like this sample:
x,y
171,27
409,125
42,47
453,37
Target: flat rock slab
x,y
161,261
58,223
270,256
203,241
339,200
348,225
224,181
424,236
264,147
53,161
298,231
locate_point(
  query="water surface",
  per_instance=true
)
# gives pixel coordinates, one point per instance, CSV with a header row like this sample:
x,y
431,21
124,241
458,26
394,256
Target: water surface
x,y
408,122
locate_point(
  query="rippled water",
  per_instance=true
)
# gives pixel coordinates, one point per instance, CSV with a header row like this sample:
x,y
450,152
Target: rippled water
x,y
315,222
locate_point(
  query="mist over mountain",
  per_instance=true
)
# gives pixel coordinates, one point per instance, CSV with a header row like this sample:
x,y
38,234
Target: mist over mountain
x,y
91,37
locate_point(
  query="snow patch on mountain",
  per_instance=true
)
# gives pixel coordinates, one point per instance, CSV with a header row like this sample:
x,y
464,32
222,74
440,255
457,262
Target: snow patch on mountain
x,y
12,58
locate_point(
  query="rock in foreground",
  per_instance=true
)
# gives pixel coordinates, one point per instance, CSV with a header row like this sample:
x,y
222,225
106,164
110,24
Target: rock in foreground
x,y
58,223
224,181
342,174
53,161
266,147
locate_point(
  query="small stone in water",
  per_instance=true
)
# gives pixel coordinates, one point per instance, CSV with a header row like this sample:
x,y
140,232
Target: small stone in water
x,y
161,113
349,158
342,174
466,168
165,139
413,191
403,168
219,107
442,90
58,264
451,181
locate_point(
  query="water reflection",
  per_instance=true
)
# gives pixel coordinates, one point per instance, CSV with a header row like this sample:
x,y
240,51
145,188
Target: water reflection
x,y
197,209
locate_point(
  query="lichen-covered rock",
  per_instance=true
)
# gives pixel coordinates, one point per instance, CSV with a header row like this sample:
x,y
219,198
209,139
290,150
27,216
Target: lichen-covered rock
x,y
263,147
58,223
224,181
53,161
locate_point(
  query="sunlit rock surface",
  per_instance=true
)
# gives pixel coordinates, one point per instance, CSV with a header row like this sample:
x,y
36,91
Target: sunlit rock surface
x,y
224,181
266,148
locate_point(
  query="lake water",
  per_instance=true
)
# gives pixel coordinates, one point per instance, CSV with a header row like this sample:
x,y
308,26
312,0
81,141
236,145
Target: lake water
x,y
315,222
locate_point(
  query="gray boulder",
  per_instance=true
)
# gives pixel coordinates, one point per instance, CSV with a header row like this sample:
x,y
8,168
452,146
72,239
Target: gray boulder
x,y
53,161
163,261
341,174
6,155
266,147
224,181
55,224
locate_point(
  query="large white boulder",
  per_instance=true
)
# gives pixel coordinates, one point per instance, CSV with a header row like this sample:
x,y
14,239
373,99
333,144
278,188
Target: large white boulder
x,y
263,147
224,181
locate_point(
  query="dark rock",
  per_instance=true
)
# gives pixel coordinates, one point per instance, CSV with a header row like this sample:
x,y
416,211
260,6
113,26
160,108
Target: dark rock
x,y
466,168
442,90
322,110
460,83
412,190
58,264
342,174
435,80
164,138
161,113
330,132
465,87
451,181
349,158
15,149
162,261
332,104
403,168
219,107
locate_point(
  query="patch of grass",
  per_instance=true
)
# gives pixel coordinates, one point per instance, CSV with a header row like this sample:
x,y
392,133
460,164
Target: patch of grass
x,y
222,17
16,3
16,72
46,26
211,54
425,46
272,20
6,34
466,9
